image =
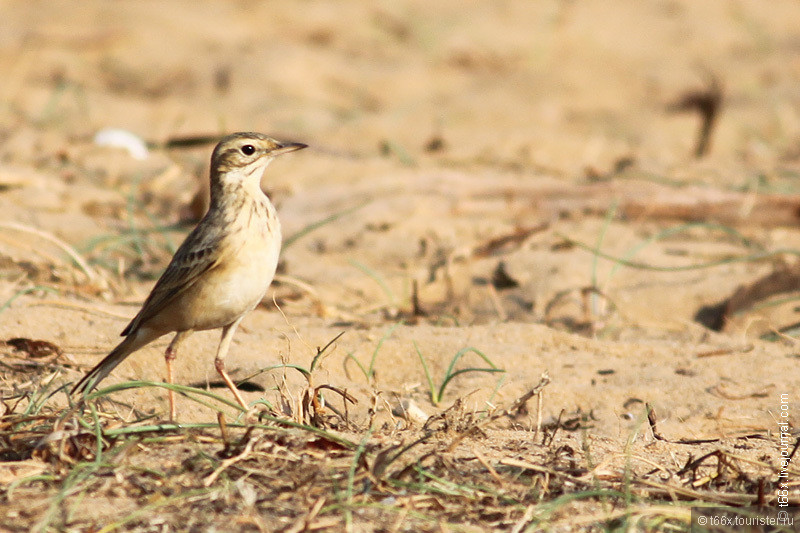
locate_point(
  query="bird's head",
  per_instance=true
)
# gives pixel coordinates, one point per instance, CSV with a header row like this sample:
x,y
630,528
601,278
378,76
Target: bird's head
x,y
241,156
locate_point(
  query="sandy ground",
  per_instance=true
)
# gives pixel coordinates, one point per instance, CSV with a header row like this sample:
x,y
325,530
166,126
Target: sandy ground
x,y
434,131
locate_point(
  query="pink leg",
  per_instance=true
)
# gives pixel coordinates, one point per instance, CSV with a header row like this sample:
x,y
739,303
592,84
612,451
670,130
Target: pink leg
x,y
169,356
219,362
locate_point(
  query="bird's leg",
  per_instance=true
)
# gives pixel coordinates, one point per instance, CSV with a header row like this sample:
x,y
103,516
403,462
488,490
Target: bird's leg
x,y
169,356
219,362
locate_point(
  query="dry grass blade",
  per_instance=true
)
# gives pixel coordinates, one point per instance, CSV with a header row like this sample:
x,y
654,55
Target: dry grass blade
x,y
306,522
430,471
227,463
69,250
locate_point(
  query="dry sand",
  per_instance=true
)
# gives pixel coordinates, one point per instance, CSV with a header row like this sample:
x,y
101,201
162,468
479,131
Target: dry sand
x,y
435,129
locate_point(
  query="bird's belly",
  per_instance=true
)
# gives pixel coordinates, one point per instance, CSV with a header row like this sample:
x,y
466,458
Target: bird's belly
x,y
231,289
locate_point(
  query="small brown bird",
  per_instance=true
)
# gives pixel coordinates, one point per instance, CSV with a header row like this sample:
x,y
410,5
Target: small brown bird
x,y
221,271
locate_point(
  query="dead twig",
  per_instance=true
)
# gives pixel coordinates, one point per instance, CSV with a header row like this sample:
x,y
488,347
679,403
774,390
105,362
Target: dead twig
x,y
707,103
227,463
515,238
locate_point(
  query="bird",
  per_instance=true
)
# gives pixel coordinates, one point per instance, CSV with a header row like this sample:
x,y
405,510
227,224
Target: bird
x,y
220,272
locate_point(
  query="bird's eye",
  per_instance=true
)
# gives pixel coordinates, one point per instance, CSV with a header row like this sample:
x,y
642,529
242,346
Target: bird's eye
x,y
248,149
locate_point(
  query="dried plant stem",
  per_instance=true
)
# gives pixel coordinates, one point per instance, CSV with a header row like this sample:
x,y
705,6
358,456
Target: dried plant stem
x,y
66,248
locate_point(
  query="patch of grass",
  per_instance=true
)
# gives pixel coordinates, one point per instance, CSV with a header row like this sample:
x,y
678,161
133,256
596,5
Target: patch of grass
x,y
134,243
626,261
194,393
171,475
369,370
451,373
313,402
591,295
74,256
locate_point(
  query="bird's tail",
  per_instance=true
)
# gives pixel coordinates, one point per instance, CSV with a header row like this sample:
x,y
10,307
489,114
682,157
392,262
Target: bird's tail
x,y
130,344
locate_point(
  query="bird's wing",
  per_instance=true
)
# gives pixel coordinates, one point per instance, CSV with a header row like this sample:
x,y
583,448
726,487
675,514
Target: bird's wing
x,y
200,252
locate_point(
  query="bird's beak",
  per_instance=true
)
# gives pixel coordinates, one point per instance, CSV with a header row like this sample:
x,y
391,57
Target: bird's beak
x,y
285,148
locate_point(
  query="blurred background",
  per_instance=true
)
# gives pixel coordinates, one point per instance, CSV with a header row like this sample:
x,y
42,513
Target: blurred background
x,y
453,124
553,86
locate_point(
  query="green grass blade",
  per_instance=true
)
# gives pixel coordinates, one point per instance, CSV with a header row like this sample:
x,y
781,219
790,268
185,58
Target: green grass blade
x,y
23,292
759,256
302,370
371,369
431,387
450,377
181,389
358,363
669,232
464,351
